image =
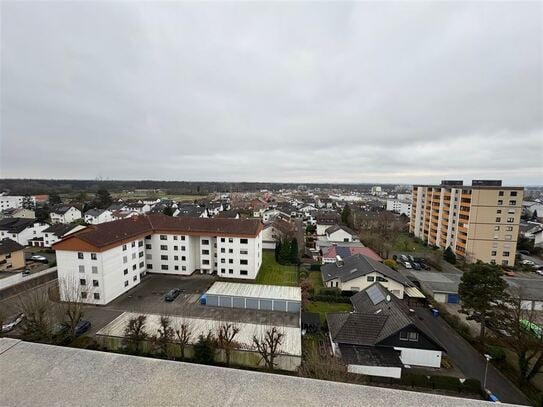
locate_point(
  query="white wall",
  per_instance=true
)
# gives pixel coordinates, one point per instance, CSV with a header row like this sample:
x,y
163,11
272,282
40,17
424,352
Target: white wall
x,y
382,371
18,278
440,297
24,236
340,236
420,357
360,283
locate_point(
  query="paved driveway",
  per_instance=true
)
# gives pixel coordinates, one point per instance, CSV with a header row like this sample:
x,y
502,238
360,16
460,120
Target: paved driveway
x,y
470,361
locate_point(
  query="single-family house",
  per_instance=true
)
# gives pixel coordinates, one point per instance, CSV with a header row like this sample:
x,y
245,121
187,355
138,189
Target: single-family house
x,y
382,335
57,232
64,214
97,216
21,230
340,233
18,213
12,256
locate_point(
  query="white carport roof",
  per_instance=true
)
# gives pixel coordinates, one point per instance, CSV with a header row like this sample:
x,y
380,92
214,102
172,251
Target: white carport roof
x,y
275,292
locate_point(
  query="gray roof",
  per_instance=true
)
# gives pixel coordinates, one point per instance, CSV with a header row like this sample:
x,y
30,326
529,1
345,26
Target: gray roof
x,y
376,300
355,328
358,266
374,356
62,209
9,246
94,212
57,375
60,229
16,225
335,228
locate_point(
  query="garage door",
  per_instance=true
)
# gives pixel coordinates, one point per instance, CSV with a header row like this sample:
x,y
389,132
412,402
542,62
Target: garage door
x,y
225,301
239,302
293,307
280,305
212,300
251,303
266,305
453,299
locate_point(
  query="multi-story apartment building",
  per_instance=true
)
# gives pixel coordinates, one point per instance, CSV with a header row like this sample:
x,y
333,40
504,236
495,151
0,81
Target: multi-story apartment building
x,y
479,222
13,201
103,261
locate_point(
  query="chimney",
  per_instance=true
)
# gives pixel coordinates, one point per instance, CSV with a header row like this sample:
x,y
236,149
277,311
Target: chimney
x,y
339,261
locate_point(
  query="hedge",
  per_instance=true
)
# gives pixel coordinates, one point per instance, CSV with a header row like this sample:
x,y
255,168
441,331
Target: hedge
x,y
330,298
315,267
471,386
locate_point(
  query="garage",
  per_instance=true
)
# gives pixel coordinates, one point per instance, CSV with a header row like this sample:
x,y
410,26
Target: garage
x,y
255,296
453,299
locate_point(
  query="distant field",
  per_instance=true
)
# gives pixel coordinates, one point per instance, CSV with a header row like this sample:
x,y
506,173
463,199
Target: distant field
x,y
123,195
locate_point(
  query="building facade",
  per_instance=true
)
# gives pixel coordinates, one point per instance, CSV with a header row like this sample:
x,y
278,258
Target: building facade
x,y
103,261
479,221
402,207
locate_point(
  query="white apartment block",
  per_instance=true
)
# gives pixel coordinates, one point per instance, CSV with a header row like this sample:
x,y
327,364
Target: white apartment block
x,y
402,207
12,201
100,268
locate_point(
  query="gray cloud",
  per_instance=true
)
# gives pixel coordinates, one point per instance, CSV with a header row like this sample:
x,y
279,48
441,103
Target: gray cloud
x,y
301,92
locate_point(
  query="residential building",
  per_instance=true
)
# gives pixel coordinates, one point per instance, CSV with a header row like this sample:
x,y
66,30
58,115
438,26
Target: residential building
x,y
12,256
358,272
381,335
340,233
97,216
115,255
21,230
403,207
57,232
479,221
64,214
18,213
13,201
325,219
330,253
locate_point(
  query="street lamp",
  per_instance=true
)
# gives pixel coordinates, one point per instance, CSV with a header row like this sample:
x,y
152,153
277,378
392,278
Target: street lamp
x,y
487,357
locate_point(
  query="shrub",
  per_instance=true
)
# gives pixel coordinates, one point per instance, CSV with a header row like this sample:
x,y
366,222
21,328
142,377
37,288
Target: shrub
x,y
348,293
446,383
330,291
315,267
496,353
472,386
204,349
330,298
390,263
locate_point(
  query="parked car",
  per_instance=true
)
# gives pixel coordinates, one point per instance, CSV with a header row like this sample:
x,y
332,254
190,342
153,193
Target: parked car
x,y
416,266
527,263
82,327
10,324
411,258
39,258
172,294
407,265
509,273
540,272
25,272
403,257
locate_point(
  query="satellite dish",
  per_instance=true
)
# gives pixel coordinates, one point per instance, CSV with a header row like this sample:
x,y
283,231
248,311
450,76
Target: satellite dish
x,y
388,298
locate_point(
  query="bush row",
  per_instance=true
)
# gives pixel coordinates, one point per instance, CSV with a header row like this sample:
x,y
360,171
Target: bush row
x,y
472,386
330,298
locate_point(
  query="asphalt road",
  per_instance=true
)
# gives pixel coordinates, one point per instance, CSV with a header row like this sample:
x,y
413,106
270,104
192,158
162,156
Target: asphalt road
x,y
470,361
536,260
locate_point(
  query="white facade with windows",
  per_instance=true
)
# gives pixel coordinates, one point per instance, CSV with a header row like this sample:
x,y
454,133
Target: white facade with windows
x,y
33,231
363,282
68,216
13,201
399,206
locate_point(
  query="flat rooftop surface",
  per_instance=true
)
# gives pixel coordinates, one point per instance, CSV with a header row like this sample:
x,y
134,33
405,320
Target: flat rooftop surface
x,y
276,292
43,375
292,340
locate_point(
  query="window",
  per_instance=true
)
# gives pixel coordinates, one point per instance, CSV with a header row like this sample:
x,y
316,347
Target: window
x,y
223,239
512,202
498,219
243,251
230,271
125,271
82,281
163,247
205,242
409,336
93,256
509,228
508,237
96,296
164,267
141,254
243,272
244,262
176,257
133,256
94,270
500,193
125,259
505,254
184,268
95,283
176,267
81,269
205,261
183,258
148,246
182,237
149,266
505,262
231,261
124,247
498,211
140,243
135,278
205,251
163,257
126,283
175,237
79,255
176,247
493,253
500,202
513,193
142,265
223,271
163,237
223,250
510,220
370,279
182,248
83,295
496,228
230,240
244,241
382,279
230,250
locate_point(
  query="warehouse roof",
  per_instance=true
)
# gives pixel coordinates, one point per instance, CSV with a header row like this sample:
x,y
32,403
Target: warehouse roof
x,y
61,376
276,292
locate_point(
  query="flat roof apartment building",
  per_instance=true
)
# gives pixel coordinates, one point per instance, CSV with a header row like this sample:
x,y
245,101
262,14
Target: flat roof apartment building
x,y
478,221
104,261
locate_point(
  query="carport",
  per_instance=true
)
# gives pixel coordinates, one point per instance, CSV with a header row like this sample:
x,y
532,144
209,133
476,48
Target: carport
x,y
255,296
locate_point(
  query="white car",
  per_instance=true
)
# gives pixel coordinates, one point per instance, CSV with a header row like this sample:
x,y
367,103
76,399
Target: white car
x,y
37,257
407,265
9,325
527,263
540,272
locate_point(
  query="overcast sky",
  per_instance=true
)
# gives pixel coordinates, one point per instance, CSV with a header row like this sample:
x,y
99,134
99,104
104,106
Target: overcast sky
x,y
296,92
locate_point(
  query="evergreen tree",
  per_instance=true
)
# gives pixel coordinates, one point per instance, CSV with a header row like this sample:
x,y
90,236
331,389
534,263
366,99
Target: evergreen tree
x,y
284,252
54,199
28,203
449,255
103,198
294,255
277,250
534,216
346,215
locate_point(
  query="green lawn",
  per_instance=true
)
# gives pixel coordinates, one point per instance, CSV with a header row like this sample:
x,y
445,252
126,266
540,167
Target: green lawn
x,y
316,279
274,273
405,243
322,308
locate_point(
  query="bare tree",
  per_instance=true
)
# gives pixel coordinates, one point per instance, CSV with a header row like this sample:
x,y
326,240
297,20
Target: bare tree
x,y
135,333
225,338
37,308
268,345
71,308
323,367
165,335
184,333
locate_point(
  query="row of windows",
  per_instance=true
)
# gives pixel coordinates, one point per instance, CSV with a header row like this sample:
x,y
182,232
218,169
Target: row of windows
x,y
166,267
125,258
84,295
494,252
135,267
133,244
509,220
507,228
500,202
512,193
165,257
81,256
231,271
371,279
504,262
165,247
94,269
83,281
165,237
